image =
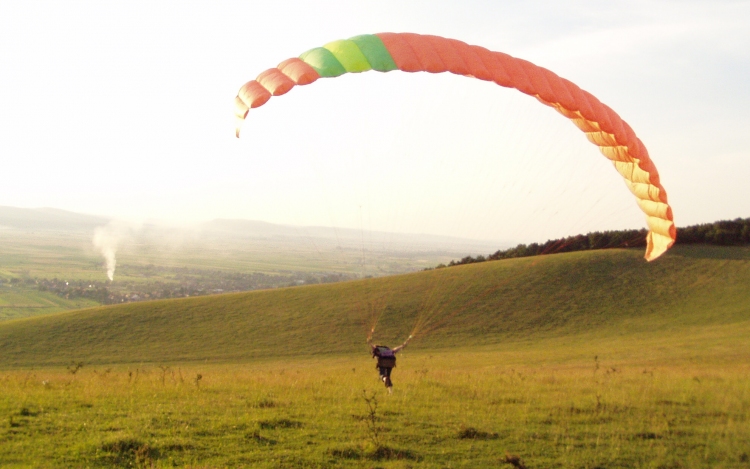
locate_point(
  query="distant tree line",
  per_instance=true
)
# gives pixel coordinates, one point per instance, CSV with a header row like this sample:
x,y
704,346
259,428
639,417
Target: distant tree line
x,y
721,233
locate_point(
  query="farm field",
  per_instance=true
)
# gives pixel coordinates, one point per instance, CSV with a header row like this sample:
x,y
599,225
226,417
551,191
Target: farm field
x,y
593,359
22,302
72,255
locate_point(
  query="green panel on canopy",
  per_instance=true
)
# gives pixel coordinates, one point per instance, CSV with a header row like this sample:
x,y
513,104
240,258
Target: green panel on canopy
x,y
323,61
349,55
374,50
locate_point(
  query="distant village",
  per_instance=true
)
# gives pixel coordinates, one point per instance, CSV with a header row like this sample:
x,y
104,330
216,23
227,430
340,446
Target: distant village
x,y
164,282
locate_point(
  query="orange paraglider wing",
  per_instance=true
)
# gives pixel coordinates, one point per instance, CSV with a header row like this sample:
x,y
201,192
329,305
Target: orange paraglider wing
x,y
420,53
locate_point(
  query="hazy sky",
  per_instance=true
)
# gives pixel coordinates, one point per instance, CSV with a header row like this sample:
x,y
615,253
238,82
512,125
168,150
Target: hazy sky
x,y
125,109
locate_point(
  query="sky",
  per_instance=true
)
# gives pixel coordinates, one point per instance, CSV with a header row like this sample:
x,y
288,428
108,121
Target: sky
x,y
124,109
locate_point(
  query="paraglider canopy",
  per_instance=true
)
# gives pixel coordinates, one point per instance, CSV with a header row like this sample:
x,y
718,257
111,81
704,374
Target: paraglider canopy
x,y
409,52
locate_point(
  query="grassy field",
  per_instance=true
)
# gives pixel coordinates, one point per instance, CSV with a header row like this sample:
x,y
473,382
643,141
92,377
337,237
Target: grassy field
x,y
584,360
466,409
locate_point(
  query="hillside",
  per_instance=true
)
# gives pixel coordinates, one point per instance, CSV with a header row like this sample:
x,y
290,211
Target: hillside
x,y
48,219
586,294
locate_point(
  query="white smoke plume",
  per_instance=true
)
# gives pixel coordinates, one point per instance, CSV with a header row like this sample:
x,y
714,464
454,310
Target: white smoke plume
x,y
107,239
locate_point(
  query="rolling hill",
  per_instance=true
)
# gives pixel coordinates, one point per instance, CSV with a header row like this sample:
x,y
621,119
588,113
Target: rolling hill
x,y
48,219
565,297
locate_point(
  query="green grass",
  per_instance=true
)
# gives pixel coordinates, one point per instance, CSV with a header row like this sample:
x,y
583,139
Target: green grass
x,y
583,360
463,409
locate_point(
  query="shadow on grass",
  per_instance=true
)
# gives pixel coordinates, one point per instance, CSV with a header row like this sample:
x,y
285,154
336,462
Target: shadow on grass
x,y
696,251
129,452
471,433
380,453
265,404
260,439
278,423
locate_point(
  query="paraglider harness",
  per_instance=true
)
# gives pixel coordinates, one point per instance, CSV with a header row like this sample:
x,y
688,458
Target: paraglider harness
x,y
386,357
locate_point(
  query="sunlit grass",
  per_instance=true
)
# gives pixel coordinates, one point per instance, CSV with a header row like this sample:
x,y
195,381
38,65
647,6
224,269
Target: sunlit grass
x,y
461,409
